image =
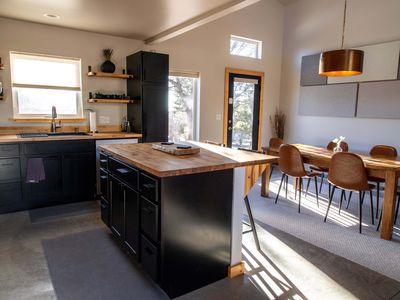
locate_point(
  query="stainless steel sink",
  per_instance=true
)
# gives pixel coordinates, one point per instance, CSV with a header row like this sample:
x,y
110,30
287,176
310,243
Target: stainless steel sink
x,y
41,135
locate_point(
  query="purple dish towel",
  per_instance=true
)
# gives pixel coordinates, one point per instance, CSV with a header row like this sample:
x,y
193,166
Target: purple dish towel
x,y
35,170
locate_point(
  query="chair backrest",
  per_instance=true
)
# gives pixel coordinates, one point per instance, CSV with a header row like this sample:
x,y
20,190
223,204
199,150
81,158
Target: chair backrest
x,y
383,151
214,143
343,145
275,143
347,171
290,161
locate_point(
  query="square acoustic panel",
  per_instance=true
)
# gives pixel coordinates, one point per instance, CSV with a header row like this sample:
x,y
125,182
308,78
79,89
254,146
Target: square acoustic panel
x,y
379,100
335,100
310,70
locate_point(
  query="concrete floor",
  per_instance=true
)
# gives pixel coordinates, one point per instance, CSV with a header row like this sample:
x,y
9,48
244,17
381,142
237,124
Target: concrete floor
x,y
287,268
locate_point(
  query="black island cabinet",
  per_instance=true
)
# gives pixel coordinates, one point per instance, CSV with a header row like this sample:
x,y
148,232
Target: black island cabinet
x,y
177,228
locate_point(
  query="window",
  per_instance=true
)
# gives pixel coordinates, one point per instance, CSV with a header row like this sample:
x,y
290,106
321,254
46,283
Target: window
x,y
40,82
183,106
245,47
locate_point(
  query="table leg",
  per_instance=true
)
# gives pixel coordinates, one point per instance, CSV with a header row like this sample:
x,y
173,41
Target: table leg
x,y
389,204
265,181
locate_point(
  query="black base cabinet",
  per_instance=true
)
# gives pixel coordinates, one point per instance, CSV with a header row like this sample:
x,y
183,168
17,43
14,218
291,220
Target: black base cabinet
x,y
177,228
69,170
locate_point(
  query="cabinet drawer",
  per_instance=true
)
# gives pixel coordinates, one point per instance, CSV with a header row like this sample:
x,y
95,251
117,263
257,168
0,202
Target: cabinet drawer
x,y
9,150
149,187
9,169
105,211
104,184
103,161
10,197
126,173
149,258
53,147
149,219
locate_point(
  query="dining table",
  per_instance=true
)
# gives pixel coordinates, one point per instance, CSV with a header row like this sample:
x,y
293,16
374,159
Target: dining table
x,y
380,167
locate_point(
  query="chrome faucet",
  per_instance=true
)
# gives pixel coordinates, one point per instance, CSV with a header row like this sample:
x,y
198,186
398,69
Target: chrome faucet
x,y
54,125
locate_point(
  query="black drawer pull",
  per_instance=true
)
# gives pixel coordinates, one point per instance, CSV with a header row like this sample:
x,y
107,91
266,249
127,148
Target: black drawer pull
x,y
149,185
103,160
149,251
103,177
124,170
149,211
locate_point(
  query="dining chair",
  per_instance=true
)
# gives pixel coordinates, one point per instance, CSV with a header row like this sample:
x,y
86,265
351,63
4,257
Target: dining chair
x,y
382,151
291,164
274,144
347,172
324,170
396,213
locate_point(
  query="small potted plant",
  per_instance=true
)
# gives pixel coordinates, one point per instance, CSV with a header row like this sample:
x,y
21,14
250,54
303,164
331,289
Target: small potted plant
x,y
107,66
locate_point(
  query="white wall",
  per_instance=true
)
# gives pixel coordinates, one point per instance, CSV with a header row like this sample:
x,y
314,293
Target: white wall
x,y
205,50
315,25
36,38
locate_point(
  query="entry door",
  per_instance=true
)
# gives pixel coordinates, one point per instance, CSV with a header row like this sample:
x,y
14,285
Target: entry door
x,y
243,120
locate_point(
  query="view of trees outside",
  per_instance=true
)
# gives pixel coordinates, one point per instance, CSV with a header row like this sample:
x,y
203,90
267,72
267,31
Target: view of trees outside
x,y
181,101
243,48
242,121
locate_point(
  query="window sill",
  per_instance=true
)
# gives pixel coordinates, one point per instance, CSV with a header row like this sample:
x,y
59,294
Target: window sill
x,y
47,120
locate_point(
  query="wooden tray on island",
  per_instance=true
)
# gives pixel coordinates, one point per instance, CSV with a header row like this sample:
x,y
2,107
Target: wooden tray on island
x,y
174,150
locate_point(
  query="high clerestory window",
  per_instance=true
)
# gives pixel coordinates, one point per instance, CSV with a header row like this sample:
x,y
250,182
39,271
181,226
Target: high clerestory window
x,y
40,82
242,46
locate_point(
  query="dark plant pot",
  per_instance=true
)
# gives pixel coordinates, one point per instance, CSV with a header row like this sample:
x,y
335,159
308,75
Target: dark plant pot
x,y
107,67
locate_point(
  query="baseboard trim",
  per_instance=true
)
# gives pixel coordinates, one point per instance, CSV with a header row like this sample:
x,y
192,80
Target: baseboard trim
x,y
236,270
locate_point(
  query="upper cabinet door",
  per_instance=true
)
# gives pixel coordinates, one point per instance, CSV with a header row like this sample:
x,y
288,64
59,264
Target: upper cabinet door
x,y
155,67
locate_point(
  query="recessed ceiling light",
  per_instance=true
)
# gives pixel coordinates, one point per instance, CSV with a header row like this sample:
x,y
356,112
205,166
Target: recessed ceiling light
x,y
52,16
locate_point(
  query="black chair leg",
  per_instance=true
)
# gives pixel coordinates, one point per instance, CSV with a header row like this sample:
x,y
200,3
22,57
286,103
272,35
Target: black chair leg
x,y
271,171
279,190
361,196
348,201
322,181
331,193
300,185
341,201
377,198
308,186
397,210
372,207
316,190
253,225
286,186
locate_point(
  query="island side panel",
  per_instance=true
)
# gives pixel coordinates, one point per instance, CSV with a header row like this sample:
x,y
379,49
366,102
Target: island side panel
x,y
237,215
196,221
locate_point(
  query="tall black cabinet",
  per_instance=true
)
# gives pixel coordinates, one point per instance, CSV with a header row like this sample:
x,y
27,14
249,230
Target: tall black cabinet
x,y
149,86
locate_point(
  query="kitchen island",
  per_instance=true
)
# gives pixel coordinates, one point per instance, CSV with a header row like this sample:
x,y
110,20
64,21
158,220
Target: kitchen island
x,y
180,217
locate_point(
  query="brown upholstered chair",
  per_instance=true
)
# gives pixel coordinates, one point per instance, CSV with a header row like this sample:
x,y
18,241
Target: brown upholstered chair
x,y
274,144
291,164
396,213
323,170
347,172
384,151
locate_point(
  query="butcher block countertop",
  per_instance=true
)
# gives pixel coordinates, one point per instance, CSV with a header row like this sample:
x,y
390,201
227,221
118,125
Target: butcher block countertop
x,y
210,158
12,138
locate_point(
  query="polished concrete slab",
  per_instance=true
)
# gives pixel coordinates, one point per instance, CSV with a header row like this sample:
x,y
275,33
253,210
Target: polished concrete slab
x,y
287,268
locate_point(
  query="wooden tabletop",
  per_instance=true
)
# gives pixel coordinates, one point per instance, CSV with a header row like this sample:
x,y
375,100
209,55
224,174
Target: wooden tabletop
x,y
378,163
13,138
210,158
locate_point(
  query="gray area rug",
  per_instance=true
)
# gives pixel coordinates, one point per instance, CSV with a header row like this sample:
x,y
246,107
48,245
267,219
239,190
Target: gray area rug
x,y
339,235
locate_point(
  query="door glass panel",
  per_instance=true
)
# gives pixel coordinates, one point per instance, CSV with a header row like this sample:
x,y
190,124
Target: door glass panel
x,y
243,110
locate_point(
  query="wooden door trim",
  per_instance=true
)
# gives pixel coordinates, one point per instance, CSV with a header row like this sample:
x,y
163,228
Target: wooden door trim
x,y
226,100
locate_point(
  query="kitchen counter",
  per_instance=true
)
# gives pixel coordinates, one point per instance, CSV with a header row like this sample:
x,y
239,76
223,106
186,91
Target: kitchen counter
x,y
7,138
210,158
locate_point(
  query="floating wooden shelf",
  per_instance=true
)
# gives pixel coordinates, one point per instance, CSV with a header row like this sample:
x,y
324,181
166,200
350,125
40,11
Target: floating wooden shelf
x,y
110,101
109,75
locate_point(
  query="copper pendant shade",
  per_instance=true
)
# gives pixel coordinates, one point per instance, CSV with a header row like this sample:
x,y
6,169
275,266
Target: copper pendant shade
x,y
344,62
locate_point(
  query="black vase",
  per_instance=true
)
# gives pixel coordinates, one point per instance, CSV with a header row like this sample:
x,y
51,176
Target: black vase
x,y
107,67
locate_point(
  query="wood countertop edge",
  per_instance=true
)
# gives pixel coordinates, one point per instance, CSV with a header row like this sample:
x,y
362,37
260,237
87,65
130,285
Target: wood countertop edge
x,y
13,138
187,171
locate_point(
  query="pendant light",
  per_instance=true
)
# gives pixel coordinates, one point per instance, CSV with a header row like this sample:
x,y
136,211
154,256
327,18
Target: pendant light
x,y
343,62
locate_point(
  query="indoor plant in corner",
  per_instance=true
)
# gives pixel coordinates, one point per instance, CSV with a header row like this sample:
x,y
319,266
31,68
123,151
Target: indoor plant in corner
x,y
107,66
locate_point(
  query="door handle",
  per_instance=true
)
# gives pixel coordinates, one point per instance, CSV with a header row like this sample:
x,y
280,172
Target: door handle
x,y
229,128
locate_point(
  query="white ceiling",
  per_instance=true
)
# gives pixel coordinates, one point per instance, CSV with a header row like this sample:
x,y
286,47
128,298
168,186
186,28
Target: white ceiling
x,y
137,19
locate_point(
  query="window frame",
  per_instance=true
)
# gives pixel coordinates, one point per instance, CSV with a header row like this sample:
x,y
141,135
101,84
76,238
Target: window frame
x,y
257,43
196,93
78,89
